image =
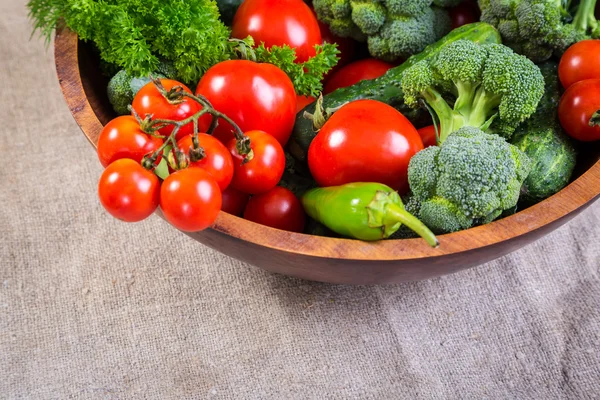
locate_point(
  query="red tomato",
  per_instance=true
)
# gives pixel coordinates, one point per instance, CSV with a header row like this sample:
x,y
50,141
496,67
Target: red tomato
x,y
303,101
128,191
190,199
428,136
234,201
355,72
465,13
149,101
576,108
279,22
123,138
364,141
346,46
264,171
580,62
255,96
278,208
218,161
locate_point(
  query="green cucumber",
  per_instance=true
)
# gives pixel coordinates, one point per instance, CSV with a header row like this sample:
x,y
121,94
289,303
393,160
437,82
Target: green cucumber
x,y
386,88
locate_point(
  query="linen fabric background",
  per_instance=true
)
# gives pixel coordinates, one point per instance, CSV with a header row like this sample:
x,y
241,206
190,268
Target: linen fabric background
x,y
92,308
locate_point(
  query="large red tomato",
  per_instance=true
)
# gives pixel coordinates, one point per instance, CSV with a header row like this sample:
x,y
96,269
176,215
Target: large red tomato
x,y
217,160
278,208
369,68
279,22
580,62
364,141
579,110
255,96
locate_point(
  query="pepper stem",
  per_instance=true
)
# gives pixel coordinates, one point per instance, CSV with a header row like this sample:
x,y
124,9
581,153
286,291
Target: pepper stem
x,y
395,213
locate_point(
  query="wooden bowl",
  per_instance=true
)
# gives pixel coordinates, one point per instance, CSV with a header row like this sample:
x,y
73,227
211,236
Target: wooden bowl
x,y
339,260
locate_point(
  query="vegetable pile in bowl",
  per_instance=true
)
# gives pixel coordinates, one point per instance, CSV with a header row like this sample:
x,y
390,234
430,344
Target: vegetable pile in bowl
x,y
346,118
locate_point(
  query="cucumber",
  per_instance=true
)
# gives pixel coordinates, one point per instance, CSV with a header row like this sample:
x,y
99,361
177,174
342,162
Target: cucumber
x,y
386,88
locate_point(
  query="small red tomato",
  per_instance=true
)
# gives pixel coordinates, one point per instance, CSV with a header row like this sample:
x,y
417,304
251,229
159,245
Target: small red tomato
x,y
123,138
465,13
255,96
428,136
190,199
364,141
303,101
278,208
351,74
128,191
580,62
234,201
279,22
218,161
579,110
149,101
264,171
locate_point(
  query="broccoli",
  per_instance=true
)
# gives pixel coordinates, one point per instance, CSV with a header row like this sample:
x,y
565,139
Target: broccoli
x,y
540,29
471,179
393,29
485,86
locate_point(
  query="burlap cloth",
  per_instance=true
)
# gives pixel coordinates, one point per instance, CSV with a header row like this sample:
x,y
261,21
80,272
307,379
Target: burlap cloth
x,y
91,308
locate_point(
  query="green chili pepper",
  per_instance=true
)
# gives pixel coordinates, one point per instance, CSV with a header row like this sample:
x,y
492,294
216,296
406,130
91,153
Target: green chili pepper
x,y
364,211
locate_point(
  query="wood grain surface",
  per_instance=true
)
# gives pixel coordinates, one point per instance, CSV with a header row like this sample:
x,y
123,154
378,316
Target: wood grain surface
x,y
339,260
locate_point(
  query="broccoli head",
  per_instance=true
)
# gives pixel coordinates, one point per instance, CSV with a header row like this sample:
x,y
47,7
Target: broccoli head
x,y
471,179
541,28
393,29
484,86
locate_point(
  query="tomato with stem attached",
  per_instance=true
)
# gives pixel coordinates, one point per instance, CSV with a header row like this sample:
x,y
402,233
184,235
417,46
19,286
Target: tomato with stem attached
x,y
128,191
190,199
579,110
364,141
351,74
123,138
217,159
278,208
264,170
581,61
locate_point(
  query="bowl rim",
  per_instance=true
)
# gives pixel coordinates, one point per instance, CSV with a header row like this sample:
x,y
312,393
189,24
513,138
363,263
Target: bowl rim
x,y
578,194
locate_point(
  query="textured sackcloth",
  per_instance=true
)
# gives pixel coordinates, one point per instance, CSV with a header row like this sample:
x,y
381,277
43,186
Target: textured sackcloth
x,y
92,308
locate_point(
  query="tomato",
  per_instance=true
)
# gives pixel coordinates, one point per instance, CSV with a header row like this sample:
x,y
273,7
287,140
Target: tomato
x,y
234,201
278,208
255,96
576,108
218,161
346,46
264,171
190,199
465,13
123,138
580,62
149,101
303,101
128,191
428,136
364,141
279,22
369,68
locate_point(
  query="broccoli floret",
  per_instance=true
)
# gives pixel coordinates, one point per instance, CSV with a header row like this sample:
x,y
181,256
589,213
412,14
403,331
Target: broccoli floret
x,y
471,179
541,28
484,86
394,29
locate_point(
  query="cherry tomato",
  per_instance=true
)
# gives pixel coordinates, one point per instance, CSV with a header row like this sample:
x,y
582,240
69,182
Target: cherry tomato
x,y
364,141
278,208
218,161
576,108
128,191
465,13
234,201
264,171
279,22
149,101
255,96
303,101
190,199
580,62
123,138
428,136
369,68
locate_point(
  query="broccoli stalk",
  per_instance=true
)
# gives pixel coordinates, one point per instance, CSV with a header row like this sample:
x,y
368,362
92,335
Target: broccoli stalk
x,y
585,19
484,86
